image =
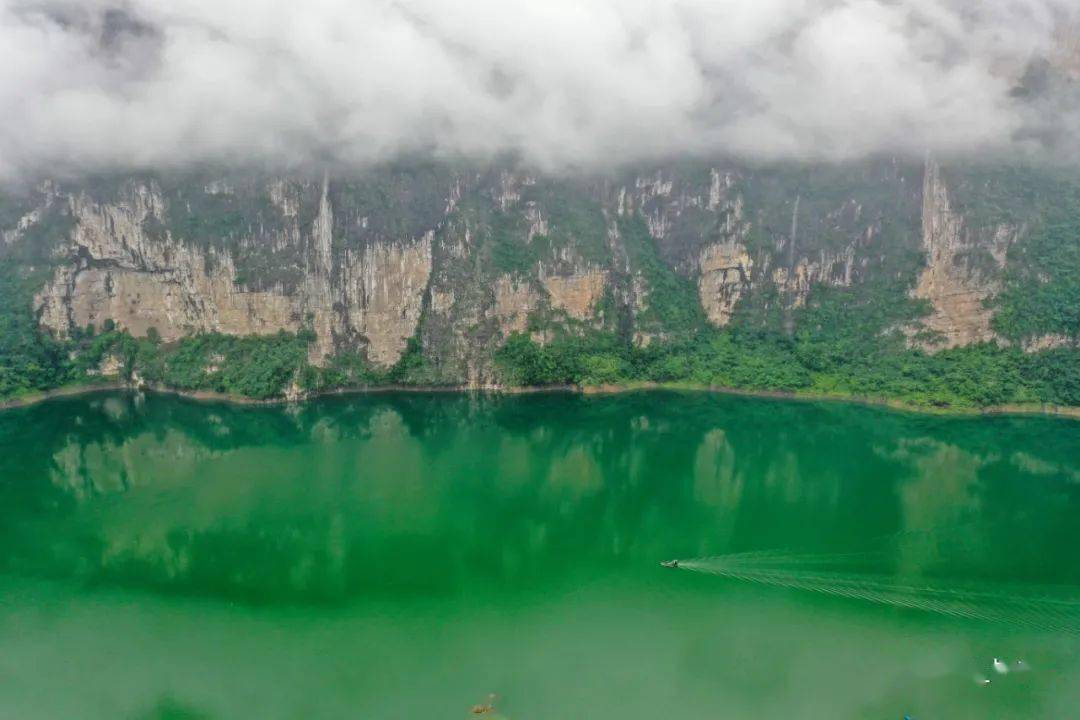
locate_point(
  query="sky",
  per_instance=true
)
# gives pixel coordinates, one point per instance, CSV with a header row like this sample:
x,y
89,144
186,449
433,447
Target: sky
x,y
93,86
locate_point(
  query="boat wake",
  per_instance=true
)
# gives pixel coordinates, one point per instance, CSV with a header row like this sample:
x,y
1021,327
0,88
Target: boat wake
x,y
849,575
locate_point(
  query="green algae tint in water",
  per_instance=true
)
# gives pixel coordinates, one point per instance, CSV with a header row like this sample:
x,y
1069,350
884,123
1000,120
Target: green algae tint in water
x,y
402,556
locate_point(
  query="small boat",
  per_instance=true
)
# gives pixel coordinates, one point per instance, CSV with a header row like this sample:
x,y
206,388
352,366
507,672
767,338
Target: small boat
x,y
485,708
670,563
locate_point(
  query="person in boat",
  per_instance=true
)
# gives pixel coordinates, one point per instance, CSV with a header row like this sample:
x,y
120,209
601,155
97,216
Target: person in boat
x,y
670,563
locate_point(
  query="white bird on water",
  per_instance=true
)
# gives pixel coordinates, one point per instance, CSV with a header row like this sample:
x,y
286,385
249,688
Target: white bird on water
x,y
999,667
981,680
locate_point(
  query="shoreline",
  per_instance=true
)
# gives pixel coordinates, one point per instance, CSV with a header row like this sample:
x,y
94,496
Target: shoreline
x,y
893,404
1062,411
41,396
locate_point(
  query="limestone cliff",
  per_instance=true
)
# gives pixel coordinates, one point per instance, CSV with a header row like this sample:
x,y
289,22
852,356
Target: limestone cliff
x,y
462,259
112,269
962,272
115,267
725,274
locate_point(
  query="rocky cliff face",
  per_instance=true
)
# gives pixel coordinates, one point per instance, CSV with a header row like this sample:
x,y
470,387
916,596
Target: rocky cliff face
x,y
462,259
726,269
962,271
115,266
111,268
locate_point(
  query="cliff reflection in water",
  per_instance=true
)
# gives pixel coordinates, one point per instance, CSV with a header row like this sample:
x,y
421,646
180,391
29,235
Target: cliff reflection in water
x,y
364,497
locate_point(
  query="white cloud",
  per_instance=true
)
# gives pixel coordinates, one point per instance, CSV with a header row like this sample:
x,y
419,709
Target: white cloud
x,y
562,83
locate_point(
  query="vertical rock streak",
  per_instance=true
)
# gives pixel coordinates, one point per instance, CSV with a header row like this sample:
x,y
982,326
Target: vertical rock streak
x,y
956,291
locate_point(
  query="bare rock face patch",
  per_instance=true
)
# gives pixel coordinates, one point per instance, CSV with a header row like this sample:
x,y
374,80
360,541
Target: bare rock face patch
x,y
957,291
576,294
725,275
514,300
118,272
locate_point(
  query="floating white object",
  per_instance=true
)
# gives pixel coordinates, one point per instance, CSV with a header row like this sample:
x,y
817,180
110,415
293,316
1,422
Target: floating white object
x,y
1000,667
980,680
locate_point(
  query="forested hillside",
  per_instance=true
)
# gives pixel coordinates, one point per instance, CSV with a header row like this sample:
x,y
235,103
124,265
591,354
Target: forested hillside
x,y
939,285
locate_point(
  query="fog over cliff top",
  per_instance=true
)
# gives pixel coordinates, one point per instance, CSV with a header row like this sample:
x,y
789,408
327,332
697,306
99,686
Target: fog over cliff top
x,y
561,84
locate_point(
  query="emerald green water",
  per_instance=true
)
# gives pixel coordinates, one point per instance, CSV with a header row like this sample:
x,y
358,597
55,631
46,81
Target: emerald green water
x,y
402,556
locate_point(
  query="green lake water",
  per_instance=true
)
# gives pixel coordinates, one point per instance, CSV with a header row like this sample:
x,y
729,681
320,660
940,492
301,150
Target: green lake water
x,y
401,556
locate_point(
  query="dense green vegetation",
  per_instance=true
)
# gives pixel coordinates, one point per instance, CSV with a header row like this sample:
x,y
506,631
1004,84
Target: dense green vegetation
x,y
672,305
264,367
350,370
1042,274
573,221
810,363
256,367
1042,292
29,360
973,376
400,201
832,199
